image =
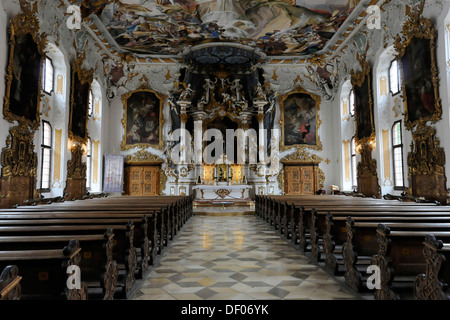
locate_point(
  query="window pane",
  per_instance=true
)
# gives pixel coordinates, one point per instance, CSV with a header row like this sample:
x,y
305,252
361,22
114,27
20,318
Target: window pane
x,y
46,163
88,148
48,76
398,166
354,175
393,77
352,102
47,138
88,172
91,101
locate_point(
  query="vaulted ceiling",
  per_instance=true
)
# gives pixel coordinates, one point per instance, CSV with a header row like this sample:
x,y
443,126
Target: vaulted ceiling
x,y
168,27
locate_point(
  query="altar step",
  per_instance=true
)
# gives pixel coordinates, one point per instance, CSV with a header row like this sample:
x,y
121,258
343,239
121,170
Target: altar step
x,y
224,208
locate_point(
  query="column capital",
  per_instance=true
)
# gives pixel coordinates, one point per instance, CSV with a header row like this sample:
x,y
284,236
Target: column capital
x,y
199,115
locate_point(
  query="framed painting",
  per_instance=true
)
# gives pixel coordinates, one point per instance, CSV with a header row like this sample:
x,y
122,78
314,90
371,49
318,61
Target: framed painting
x,y
300,120
420,87
362,89
79,102
143,119
113,177
23,89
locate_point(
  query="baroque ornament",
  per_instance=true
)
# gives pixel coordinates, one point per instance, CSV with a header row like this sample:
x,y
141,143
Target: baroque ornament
x,y
426,157
143,156
23,25
76,168
18,157
419,28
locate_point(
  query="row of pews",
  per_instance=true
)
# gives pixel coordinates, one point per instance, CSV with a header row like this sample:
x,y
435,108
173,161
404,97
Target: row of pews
x,y
402,244
97,248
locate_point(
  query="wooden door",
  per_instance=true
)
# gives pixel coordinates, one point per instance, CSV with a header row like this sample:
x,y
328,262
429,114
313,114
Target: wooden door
x,y
293,180
142,180
307,180
135,181
300,180
150,181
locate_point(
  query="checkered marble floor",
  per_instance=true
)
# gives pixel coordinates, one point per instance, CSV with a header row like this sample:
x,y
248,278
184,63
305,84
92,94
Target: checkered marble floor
x,y
236,258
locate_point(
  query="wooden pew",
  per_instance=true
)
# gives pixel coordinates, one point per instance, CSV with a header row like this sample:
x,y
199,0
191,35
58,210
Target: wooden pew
x,y
100,270
433,283
178,211
10,287
124,251
304,218
146,234
409,266
332,231
273,210
171,218
363,242
317,227
49,265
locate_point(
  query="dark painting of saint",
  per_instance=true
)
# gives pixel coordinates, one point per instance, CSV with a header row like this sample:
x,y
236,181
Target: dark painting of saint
x,y
26,67
363,109
143,113
299,120
79,109
418,79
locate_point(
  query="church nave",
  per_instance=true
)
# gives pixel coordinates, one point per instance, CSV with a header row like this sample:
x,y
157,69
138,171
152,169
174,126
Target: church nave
x,y
236,258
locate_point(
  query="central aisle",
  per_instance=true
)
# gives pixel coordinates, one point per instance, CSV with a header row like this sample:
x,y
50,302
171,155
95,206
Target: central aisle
x,y
236,258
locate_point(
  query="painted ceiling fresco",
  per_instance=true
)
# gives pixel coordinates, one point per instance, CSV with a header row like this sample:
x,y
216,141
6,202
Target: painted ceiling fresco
x,y
277,27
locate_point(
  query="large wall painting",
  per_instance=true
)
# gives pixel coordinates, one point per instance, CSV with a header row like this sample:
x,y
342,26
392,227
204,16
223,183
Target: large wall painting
x,y
23,89
419,74
300,120
143,120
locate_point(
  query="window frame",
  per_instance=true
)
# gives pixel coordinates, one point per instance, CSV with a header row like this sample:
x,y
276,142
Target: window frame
x,y
399,86
353,164
43,148
91,103
44,77
89,164
351,105
394,147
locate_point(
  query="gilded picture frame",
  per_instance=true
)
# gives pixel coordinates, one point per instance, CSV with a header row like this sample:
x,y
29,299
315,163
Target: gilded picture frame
x,y
300,117
81,81
143,119
24,90
416,54
364,111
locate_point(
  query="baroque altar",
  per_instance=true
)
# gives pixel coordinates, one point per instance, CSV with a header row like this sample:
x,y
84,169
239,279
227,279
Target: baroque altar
x,y
222,181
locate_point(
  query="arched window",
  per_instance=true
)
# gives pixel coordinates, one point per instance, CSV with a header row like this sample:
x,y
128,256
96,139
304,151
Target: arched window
x,y
47,76
397,145
88,163
351,100
46,156
394,77
91,103
353,163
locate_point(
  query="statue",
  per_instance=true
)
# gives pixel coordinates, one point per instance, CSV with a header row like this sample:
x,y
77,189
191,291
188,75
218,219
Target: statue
x,y
237,86
260,95
174,113
209,85
186,94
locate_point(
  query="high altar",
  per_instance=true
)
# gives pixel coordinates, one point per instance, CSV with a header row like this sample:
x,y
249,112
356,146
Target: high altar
x,y
234,97
222,181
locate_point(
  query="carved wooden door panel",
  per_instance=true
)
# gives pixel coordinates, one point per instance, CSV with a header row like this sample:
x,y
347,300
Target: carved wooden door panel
x,y
293,181
150,181
142,180
135,181
307,180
